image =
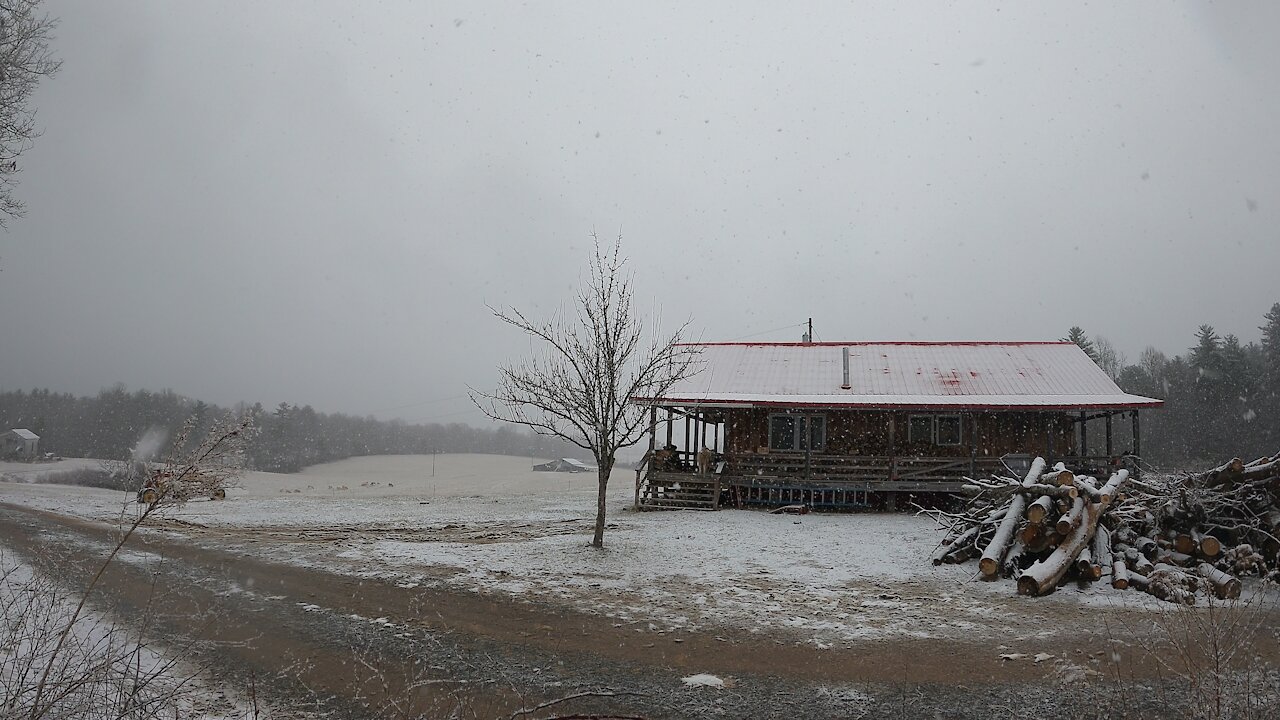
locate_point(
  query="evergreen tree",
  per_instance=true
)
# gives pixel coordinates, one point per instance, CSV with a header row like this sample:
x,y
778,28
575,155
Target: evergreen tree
x,y
1270,347
1267,397
1077,336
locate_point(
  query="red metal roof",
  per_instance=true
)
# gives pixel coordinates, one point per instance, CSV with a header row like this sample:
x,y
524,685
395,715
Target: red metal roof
x,y
913,375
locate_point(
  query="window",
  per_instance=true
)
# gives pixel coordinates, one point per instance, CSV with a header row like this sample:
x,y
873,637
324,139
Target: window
x,y
948,430
935,429
782,432
786,432
920,428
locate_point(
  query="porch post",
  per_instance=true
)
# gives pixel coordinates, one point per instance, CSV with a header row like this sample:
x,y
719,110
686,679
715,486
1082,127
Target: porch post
x,y
807,438
973,445
1084,434
1048,436
893,453
687,439
1110,452
1137,436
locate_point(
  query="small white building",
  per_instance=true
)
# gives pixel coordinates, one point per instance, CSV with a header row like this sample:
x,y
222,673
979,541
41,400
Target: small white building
x,y
19,444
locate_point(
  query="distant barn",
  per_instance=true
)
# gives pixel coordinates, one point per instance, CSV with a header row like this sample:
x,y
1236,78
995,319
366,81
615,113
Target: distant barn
x,y
564,465
19,444
842,425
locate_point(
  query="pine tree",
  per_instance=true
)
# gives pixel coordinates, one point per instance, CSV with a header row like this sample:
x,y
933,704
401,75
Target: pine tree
x,y
1267,397
1077,336
1270,380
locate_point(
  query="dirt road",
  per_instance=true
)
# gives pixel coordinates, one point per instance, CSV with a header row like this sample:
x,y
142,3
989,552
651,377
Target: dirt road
x,y
319,642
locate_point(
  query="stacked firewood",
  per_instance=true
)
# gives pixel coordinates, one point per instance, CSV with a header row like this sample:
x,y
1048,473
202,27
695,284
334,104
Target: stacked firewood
x,y
1173,537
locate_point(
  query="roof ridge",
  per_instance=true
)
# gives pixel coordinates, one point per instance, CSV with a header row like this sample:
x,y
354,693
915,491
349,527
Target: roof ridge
x,y
952,343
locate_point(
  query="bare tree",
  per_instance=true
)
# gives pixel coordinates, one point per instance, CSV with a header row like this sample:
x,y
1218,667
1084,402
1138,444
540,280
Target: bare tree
x,y
595,363
25,58
1109,359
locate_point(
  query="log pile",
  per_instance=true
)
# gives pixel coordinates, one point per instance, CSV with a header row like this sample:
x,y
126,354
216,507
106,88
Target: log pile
x,y
1175,537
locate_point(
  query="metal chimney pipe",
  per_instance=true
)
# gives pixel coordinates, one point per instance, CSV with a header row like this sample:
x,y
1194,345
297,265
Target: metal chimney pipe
x,y
844,352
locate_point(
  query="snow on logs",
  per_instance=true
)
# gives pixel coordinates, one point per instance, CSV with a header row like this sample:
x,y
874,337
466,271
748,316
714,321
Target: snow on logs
x,y
994,554
1177,538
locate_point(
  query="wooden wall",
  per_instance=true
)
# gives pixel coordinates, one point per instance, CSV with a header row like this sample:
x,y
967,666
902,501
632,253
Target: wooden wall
x,y
866,432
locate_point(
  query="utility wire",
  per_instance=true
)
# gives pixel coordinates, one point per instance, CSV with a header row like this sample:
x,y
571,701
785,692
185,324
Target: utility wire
x,y
766,332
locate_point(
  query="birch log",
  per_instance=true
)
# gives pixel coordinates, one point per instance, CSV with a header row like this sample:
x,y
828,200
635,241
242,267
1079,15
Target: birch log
x,y
989,565
1044,575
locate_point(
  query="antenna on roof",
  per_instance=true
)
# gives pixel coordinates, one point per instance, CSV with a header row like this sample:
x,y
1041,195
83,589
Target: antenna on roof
x,y
808,336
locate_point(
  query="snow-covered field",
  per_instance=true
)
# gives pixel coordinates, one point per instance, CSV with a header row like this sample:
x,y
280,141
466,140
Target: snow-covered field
x,y
490,524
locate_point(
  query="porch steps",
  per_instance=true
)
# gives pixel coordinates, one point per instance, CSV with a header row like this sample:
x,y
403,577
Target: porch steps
x,y
683,492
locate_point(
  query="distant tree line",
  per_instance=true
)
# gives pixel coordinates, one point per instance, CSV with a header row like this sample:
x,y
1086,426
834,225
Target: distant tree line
x,y
290,437
1222,396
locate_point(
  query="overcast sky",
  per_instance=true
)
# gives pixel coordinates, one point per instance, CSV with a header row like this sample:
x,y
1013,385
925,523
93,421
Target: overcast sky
x,y
314,201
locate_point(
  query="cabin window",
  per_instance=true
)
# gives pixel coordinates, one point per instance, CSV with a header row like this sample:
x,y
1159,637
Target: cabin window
x,y
935,429
786,432
948,430
920,428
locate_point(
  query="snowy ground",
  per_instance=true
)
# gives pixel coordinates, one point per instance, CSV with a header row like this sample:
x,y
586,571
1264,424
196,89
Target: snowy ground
x,y
490,524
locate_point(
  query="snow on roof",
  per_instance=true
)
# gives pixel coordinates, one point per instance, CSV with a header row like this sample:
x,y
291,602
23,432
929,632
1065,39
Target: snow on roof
x,y
920,375
25,434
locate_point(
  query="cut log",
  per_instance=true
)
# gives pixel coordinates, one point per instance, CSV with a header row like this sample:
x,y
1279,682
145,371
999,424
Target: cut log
x,y
1084,563
1261,470
1147,547
1044,575
1144,565
1207,546
1225,587
1012,564
1225,474
989,565
1066,492
1071,519
1182,542
1112,487
1058,476
1088,489
1101,548
1037,510
1030,533
1119,575
1173,557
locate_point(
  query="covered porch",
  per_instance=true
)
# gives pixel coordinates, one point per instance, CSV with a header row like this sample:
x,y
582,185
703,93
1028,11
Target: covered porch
x,y
859,458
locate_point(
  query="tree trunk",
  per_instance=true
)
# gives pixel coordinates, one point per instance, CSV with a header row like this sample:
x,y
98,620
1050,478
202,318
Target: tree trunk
x,y
602,468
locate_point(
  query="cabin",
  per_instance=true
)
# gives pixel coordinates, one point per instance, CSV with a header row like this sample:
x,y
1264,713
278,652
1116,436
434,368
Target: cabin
x,y
858,424
19,444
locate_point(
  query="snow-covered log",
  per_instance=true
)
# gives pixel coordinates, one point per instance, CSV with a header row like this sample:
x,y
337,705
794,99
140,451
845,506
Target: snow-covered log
x,y
1037,510
989,565
1044,575
1119,575
1174,537
1225,587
